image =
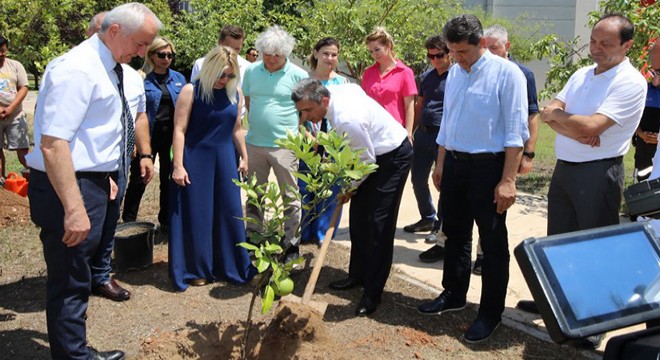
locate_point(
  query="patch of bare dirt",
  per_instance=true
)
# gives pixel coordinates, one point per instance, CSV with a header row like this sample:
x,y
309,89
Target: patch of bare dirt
x,y
14,209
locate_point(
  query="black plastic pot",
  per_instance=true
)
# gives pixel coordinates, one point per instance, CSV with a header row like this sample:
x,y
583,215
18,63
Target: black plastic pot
x,y
134,246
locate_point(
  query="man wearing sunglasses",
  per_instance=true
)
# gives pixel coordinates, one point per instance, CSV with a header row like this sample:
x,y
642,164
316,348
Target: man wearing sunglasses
x,y
252,55
428,115
233,37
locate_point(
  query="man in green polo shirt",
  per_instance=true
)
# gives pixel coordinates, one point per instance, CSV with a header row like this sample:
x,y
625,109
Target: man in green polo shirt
x,y
267,89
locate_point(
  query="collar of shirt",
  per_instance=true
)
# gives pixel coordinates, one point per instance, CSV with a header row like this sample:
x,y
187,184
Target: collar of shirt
x,y
104,53
613,71
478,64
284,68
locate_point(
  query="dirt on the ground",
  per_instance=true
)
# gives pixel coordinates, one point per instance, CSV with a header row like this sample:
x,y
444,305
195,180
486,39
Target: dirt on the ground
x,y
209,322
14,209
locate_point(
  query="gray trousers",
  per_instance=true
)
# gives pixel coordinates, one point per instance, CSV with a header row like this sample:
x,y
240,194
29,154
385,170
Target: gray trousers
x,y
284,163
585,195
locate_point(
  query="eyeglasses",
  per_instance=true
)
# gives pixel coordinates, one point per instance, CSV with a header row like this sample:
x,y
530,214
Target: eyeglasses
x,y
255,55
165,55
654,72
436,56
229,76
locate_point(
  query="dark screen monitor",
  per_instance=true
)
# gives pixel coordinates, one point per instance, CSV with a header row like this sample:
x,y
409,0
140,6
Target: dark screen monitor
x,y
589,282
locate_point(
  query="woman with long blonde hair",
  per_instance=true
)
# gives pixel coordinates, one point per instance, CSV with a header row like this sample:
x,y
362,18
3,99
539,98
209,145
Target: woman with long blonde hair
x,y
205,205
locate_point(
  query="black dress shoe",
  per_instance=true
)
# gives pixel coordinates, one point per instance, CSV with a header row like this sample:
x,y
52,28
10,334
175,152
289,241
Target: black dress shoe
x,y
420,226
112,291
344,284
435,253
443,303
528,306
105,355
481,329
367,305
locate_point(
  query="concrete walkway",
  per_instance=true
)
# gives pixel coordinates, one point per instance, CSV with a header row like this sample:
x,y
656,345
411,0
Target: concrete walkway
x,y
527,218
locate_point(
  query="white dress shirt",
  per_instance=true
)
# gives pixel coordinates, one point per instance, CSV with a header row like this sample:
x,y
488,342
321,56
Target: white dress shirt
x,y
134,91
364,121
79,102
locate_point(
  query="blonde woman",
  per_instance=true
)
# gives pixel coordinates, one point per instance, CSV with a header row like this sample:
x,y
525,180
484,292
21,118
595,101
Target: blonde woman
x,y
389,81
205,206
162,86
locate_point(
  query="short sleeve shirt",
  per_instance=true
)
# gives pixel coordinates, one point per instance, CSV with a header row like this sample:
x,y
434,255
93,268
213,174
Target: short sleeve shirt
x,y
79,102
432,91
272,112
12,78
390,90
618,93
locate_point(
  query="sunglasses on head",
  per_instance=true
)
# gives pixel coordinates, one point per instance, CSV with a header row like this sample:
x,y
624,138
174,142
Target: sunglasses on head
x,y
229,76
654,72
165,55
435,56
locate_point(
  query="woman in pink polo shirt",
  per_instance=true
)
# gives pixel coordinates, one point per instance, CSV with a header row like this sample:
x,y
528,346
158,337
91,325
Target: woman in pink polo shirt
x,y
389,81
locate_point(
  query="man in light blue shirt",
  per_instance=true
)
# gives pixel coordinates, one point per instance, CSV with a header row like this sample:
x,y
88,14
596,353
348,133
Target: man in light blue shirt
x,y
484,127
267,89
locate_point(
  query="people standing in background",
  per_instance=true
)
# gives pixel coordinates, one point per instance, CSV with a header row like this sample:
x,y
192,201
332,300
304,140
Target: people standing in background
x,y
389,81
162,86
315,222
252,55
646,135
232,36
205,205
428,116
13,120
83,136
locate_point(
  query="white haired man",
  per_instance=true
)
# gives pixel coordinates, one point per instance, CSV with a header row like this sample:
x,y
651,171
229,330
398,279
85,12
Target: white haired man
x,y
82,135
271,112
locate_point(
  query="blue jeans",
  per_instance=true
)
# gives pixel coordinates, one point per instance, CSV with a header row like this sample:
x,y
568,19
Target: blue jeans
x,y
425,154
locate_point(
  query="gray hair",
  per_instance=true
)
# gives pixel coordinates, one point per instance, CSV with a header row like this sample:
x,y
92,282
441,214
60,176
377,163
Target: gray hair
x,y
130,17
274,41
309,89
498,32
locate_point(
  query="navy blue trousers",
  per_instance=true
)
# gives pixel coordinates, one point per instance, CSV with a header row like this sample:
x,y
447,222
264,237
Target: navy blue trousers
x,y
426,152
69,275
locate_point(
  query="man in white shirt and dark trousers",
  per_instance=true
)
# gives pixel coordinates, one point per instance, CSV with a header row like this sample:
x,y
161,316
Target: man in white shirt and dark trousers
x,y
375,203
595,116
83,136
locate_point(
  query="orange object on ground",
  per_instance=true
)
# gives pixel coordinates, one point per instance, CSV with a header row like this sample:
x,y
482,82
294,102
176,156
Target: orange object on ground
x,y
17,184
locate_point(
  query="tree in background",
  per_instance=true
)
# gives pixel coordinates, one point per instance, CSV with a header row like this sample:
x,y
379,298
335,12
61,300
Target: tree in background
x,y
565,57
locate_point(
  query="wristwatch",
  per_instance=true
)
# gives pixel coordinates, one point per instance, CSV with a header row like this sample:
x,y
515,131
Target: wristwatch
x,y
144,156
529,154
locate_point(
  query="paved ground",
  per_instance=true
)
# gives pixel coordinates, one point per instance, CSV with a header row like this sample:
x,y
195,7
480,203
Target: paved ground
x,y
527,218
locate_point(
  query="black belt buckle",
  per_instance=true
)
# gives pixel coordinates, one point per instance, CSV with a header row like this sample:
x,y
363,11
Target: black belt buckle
x,y
459,155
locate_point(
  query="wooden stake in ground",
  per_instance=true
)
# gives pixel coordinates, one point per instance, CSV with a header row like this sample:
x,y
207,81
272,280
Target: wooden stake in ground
x,y
316,270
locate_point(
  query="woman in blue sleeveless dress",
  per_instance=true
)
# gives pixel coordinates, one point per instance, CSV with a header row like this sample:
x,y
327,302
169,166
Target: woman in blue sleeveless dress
x,y
205,205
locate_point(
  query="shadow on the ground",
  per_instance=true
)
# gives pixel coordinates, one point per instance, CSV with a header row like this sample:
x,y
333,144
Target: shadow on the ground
x,y
24,296
24,344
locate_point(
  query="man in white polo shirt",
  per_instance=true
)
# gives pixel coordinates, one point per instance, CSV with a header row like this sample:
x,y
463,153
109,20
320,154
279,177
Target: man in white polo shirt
x,y
595,116
80,130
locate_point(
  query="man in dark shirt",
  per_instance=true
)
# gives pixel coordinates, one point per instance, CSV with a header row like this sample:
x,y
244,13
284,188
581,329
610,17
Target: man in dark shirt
x,y
646,135
428,115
